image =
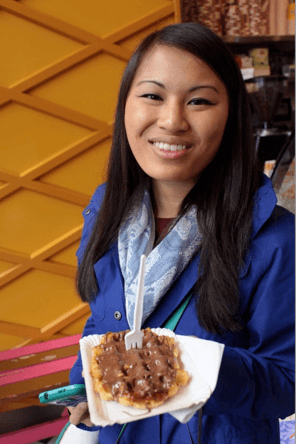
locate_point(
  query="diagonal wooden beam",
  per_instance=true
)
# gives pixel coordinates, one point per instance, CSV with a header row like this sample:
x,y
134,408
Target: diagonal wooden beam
x,y
56,268
49,22
57,244
67,153
94,43
22,331
38,256
64,65
51,267
65,319
46,251
58,158
37,341
53,109
94,46
56,68
52,330
12,273
59,192
9,270
27,178
139,24
47,332
9,188
13,256
118,51
7,176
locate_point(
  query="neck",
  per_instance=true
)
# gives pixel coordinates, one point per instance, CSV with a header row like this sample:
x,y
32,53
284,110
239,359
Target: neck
x,y
167,197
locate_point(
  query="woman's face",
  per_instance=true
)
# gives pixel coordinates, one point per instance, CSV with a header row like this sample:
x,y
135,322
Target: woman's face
x,y
175,100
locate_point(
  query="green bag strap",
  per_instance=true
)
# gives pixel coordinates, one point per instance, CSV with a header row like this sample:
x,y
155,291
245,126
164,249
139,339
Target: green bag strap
x,y
171,325
62,433
174,319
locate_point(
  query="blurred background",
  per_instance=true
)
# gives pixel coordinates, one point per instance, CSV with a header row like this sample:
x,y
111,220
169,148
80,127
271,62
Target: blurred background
x,y
61,64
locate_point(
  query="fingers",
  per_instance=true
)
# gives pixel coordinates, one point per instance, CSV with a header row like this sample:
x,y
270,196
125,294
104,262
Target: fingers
x,y
79,413
70,409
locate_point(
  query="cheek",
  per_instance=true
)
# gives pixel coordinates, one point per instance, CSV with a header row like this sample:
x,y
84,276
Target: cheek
x,y
130,119
135,118
213,128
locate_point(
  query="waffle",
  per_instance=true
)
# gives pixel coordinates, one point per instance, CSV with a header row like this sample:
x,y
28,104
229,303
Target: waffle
x,y
142,378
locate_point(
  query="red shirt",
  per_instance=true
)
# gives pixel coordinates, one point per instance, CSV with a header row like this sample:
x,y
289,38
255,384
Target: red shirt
x,y
161,224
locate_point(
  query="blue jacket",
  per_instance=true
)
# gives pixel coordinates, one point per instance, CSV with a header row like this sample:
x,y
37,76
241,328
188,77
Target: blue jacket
x,y
255,386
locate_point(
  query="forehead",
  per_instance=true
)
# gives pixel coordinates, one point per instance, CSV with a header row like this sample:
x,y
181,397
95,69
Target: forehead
x,y
173,64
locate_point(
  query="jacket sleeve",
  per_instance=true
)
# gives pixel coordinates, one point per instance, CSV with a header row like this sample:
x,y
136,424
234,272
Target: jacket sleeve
x,y
89,215
258,382
75,373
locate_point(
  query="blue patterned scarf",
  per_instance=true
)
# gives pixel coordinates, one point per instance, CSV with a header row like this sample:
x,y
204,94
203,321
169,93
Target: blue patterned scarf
x,y
164,263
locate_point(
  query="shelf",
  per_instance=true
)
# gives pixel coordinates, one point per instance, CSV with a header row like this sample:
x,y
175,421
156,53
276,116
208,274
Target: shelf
x,y
260,39
277,44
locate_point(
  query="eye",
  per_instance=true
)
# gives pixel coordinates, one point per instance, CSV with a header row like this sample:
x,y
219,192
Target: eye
x,y
200,102
152,96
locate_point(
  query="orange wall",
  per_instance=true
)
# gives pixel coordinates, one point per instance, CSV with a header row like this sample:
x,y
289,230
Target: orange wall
x,y
59,78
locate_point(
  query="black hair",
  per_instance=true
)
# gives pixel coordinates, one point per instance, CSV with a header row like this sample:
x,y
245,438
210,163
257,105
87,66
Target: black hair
x,y
223,194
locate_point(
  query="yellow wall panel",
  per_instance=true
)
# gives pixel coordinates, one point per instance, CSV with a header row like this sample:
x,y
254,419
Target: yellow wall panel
x,y
84,172
37,298
98,17
39,136
132,42
4,266
75,327
29,221
28,48
66,256
9,341
90,88
61,66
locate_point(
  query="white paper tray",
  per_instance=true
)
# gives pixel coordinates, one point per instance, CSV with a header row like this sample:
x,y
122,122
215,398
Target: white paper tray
x,y
201,359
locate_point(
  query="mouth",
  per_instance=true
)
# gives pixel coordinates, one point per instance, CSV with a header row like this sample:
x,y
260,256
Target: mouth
x,y
169,152
167,147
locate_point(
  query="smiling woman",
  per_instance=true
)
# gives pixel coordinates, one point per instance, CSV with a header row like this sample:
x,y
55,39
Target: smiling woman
x,y
183,154
175,123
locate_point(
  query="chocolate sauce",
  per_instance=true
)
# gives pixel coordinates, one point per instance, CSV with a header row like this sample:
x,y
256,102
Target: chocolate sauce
x,y
140,374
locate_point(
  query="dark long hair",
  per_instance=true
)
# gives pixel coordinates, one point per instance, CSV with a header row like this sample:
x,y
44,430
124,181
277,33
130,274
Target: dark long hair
x,y
223,194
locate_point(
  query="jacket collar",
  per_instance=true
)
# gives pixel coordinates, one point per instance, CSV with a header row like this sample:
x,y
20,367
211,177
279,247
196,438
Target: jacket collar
x,y
108,267
264,203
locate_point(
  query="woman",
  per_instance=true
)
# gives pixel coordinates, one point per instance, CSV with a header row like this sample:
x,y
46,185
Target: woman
x,y
183,158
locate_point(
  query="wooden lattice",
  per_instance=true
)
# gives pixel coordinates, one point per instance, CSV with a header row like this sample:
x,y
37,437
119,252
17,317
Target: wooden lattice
x,y
16,263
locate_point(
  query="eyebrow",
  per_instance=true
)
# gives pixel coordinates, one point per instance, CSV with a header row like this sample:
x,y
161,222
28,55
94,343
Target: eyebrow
x,y
194,88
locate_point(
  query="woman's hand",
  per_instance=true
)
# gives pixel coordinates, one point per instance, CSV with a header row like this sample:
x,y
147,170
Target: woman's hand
x,y
79,414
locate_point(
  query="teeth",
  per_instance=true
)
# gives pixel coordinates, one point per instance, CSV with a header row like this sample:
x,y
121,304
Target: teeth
x,y
167,147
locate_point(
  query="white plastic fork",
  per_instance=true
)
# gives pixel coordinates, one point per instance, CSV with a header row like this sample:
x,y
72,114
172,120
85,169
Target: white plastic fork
x,y
134,339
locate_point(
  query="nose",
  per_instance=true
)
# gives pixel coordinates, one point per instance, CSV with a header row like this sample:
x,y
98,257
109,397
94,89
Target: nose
x,y
172,118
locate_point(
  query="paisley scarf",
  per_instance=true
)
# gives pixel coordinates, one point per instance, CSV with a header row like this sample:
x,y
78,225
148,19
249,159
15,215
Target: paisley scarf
x,y
164,262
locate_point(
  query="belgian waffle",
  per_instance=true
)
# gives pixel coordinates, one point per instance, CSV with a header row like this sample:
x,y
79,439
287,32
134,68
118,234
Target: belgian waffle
x,y
142,378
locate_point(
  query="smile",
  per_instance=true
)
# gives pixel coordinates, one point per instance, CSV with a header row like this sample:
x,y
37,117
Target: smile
x,y
168,147
167,151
